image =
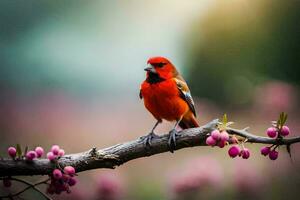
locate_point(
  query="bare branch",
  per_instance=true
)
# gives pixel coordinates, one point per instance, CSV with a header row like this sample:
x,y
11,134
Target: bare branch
x,y
121,153
29,186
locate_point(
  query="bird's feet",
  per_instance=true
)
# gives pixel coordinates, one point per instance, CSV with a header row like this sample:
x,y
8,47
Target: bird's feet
x,y
172,140
148,138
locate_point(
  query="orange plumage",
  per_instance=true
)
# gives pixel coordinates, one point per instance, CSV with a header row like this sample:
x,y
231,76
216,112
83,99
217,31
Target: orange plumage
x,y
167,96
163,100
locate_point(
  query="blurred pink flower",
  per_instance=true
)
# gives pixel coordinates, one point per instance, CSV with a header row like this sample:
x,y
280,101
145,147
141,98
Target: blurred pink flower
x,y
109,186
248,180
275,97
198,174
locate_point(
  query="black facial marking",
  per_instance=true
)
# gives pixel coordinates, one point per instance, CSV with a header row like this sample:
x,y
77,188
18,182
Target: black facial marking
x,y
159,65
154,78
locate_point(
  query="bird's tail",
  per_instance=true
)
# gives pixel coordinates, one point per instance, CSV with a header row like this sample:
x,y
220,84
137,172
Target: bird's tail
x,y
188,121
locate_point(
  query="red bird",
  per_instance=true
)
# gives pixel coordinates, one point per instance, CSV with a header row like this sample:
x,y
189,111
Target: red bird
x,y
167,96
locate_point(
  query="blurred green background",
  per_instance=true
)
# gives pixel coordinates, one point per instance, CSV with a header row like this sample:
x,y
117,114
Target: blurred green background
x,y
71,71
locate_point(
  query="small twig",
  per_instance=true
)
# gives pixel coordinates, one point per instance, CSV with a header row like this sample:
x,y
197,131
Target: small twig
x,y
264,140
29,185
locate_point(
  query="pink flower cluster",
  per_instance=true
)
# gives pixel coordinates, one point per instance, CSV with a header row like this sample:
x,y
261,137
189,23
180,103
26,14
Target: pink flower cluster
x,y
235,151
30,155
61,181
55,153
222,138
217,138
274,132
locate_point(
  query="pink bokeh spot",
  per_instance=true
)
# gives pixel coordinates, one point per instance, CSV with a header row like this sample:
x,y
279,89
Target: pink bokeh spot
x,y
199,173
247,178
275,96
110,186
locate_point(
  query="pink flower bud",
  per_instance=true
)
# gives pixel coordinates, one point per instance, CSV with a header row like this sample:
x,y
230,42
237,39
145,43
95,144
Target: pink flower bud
x,y
272,132
234,151
6,182
285,131
221,144
273,155
69,170
215,134
265,151
12,152
30,155
224,136
57,174
72,181
61,152
51,156
65,177
39,151
210,141
245,153
55,149
234,140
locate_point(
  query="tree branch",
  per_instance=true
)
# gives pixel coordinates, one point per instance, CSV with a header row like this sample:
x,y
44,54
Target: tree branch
x,y
29,185
121,153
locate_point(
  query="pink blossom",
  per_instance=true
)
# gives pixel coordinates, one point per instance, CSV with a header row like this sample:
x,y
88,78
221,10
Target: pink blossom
x,y
12,152
55,149
61,152
51,156
30,155
210,141
272,132
245,153
57,174
215,134
224,136
285,131
69,170
39,151
234,151
273,155
265,151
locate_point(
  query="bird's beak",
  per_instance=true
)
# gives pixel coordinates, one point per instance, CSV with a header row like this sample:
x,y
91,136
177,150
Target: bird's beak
x,y
151,69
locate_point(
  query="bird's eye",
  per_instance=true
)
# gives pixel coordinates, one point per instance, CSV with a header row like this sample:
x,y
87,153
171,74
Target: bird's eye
x,y
159,65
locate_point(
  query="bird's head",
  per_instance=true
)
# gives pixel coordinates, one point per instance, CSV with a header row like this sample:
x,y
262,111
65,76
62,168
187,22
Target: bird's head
x,y
162,67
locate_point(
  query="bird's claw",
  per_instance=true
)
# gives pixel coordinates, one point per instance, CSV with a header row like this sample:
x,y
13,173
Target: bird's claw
x,y
148,138
172,140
